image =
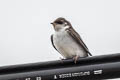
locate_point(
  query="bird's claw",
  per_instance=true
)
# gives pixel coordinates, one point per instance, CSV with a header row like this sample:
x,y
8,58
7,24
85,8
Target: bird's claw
x,y
61,59
75,58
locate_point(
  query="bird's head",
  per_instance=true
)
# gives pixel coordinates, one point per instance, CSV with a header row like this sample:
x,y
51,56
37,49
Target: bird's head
x,y
60,23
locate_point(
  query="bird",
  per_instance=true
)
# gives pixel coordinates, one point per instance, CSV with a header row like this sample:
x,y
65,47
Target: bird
x,y
67,41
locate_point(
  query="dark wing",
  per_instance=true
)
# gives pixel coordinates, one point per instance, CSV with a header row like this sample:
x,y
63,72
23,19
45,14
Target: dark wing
x,y
53,43
78,39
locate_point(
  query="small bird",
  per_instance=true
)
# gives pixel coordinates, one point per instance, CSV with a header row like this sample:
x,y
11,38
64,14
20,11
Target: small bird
x,y
67,41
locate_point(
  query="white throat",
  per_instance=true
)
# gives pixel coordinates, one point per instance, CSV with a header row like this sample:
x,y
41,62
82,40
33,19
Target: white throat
x,y
61,28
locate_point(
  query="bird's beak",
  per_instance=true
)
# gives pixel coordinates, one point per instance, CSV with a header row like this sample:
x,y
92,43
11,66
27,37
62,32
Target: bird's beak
x,y
53,24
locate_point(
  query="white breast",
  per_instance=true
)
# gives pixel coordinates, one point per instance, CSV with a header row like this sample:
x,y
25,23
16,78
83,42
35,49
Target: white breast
x,y
67,46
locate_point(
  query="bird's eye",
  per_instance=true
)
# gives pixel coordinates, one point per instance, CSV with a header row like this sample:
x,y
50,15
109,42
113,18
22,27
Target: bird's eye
x,y
66,23
59,22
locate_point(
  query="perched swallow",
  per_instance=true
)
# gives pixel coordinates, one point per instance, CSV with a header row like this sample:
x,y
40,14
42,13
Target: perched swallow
x,y
67,41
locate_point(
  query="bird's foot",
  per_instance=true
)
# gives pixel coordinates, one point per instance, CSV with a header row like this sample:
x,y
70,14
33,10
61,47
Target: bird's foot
x,y
61,59
75,58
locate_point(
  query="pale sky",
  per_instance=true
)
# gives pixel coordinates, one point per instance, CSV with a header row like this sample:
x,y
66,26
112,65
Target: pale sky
x,y
25,27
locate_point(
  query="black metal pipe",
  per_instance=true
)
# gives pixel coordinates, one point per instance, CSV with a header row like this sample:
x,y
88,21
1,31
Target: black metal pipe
x,y
91,68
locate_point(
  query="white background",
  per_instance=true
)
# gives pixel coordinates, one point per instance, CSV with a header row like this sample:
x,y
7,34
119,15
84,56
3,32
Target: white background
x,y
25,27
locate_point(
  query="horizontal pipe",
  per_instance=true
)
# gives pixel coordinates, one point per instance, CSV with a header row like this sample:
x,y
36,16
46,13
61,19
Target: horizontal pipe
x,y
92,68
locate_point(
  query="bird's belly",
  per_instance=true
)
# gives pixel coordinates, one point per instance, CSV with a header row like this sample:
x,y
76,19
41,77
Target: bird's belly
x,y
68,47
